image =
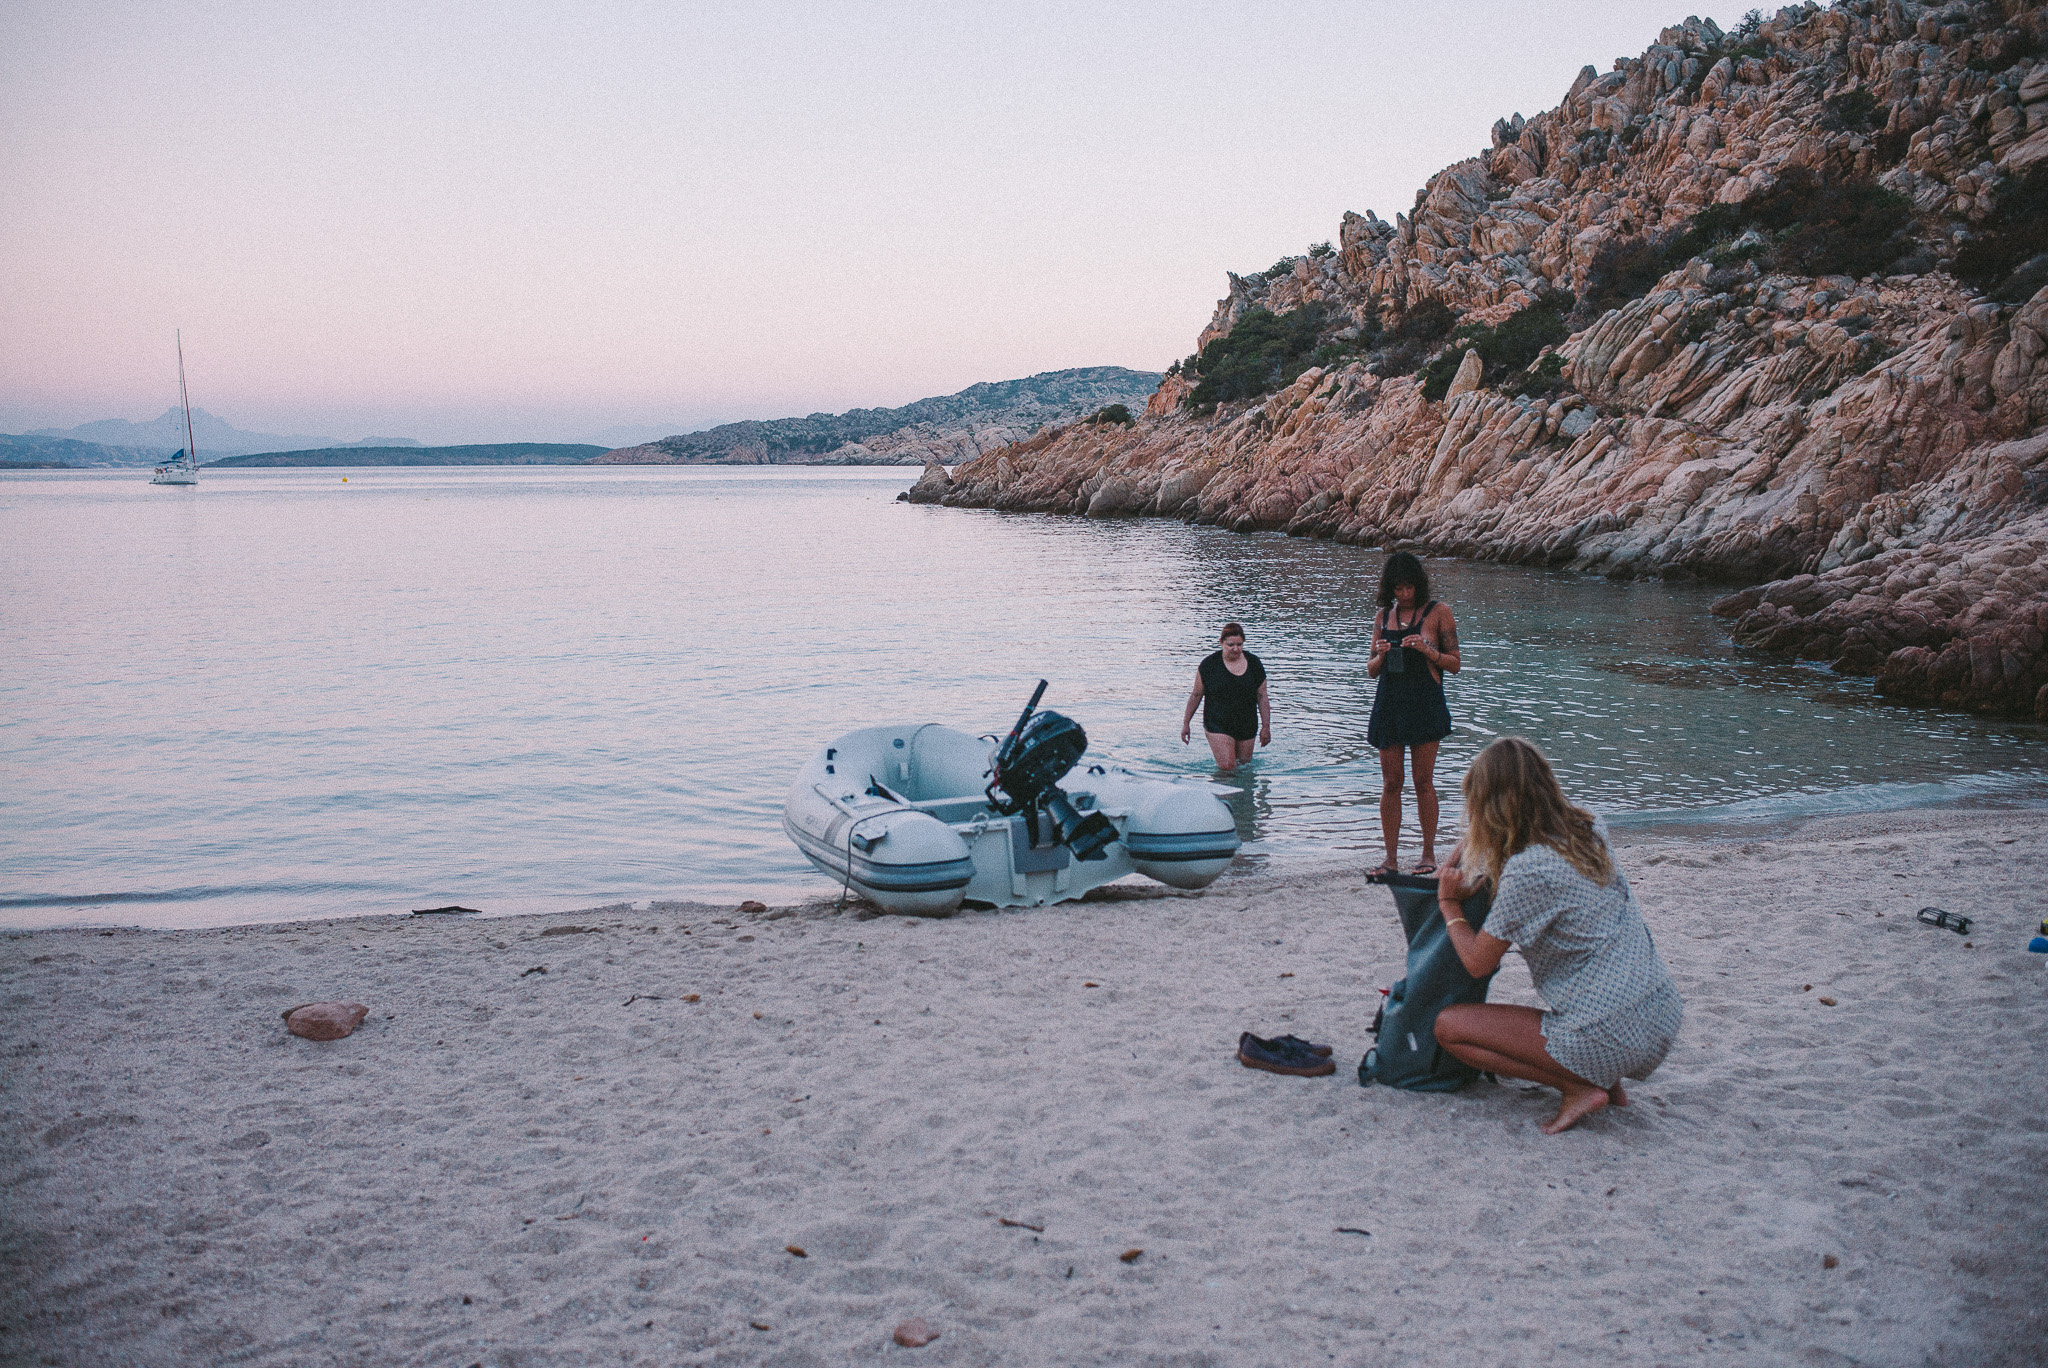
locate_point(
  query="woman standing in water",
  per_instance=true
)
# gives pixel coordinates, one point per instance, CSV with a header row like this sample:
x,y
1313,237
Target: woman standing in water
x,y
1414,642
1558,897
1230,684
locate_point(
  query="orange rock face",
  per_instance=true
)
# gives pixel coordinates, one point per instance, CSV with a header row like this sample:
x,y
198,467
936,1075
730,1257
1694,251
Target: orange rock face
x,y
1874,445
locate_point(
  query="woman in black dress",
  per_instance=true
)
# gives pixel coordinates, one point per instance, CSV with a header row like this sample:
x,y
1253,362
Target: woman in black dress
x,y
1414,642
1230,684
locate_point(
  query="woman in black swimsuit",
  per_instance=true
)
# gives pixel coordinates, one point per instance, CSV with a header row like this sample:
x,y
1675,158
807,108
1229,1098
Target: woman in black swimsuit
x,y
1230,684
1414,642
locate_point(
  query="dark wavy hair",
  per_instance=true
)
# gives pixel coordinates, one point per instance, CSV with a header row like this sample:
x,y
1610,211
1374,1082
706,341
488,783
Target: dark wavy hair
x,y
1403,568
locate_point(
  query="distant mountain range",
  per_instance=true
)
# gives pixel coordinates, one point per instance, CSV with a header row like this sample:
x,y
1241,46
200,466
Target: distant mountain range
x,y
493,453
214,437
949,429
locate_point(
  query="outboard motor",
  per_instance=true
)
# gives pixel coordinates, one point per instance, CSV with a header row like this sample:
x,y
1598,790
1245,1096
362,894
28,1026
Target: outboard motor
x,y
1028,766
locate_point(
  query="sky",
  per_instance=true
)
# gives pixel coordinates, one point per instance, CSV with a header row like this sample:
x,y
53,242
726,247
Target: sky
x,y
620,218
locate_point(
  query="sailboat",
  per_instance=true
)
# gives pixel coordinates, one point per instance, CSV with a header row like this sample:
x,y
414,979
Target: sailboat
x,y
182,469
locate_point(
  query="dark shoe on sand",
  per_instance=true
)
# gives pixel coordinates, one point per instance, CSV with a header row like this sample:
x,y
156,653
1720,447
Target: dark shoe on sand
x,y
1294,1042
1274,1057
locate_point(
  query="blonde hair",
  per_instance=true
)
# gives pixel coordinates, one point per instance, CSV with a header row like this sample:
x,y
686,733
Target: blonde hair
x,y
1512,802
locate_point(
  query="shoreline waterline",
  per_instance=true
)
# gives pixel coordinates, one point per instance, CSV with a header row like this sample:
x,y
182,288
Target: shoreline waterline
x,y
537,688
1706,829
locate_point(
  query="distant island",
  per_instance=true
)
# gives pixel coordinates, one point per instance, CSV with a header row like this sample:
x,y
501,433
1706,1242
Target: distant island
x,y
488,453
947,429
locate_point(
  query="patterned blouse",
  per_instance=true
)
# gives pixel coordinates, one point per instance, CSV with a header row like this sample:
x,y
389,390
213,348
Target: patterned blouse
x,y
1593,961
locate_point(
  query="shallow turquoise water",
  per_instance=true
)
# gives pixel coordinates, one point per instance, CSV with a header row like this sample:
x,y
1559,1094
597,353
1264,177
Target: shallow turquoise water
x,y
281,695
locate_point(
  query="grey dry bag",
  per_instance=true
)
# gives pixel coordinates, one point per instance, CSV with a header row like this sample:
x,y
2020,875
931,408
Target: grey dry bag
x,y
1407,1055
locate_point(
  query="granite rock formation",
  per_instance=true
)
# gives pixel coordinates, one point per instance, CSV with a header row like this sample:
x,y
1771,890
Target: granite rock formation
x,y
1765,366
948,429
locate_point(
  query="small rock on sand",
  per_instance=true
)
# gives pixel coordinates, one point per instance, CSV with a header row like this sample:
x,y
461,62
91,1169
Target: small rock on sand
x,y
915,1333
752,908
325,1020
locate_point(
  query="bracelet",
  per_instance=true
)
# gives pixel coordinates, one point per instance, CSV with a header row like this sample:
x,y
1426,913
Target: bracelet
x,y
1459,921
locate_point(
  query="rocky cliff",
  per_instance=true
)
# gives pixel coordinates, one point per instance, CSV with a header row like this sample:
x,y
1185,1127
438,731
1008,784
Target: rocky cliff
x,y
947,429
1761,306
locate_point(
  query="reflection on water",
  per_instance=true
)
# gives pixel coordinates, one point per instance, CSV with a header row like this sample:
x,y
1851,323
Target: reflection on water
x,y
281,696
1251,804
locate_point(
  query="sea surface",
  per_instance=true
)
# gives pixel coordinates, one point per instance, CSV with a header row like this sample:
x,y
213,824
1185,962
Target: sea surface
x,y
307,693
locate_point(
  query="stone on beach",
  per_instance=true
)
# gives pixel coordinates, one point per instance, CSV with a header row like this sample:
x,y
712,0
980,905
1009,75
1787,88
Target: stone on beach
x,y
751,908
325,1020
915,1333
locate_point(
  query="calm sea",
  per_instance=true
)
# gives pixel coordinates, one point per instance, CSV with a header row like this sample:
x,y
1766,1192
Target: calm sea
x,y
286,694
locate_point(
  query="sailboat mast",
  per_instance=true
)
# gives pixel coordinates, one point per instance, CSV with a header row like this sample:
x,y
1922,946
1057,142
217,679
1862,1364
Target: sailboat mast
x,y
191,449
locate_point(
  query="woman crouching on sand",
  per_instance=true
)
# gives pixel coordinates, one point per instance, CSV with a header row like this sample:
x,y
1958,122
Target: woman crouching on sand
x,y
1559,899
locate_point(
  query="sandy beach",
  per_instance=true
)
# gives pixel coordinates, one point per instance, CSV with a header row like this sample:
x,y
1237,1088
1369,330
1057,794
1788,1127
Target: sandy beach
x,y
974,1121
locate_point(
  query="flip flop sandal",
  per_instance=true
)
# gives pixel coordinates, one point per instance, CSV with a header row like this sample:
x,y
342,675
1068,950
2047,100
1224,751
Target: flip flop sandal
x,y
1382,869
1425,869
1947,921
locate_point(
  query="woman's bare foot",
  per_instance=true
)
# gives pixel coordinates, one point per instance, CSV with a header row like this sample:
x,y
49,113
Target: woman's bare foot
x,y
1578,1105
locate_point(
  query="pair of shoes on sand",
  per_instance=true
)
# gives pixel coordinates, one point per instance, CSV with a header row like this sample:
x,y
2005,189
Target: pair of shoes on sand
x,y
1285,1055
1386,867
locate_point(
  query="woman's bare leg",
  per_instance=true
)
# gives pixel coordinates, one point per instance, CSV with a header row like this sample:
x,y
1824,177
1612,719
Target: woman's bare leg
x,y
1425,798
1508,1040
1224,748
1245,749
1390,802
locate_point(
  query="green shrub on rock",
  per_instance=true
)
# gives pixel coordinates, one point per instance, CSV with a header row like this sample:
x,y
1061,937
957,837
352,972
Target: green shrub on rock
x,y
1264,352
1119,414
1802,225
1843,227
1999,260
1426,322
1544,377
1511,347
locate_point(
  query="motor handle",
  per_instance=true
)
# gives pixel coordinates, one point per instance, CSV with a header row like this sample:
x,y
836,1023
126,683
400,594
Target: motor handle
x,y
1003,751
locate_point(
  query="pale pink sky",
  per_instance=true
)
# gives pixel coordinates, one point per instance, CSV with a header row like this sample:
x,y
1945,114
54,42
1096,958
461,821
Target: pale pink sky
x,y
521,222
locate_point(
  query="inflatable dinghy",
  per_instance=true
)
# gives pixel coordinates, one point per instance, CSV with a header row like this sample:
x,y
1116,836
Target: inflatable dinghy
x,y
920,817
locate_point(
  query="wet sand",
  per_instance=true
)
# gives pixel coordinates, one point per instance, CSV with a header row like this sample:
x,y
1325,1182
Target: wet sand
x,y
583,1166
